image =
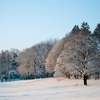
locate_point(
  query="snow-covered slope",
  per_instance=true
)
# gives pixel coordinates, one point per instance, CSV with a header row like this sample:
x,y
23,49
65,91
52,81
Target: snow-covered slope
x,y
50,89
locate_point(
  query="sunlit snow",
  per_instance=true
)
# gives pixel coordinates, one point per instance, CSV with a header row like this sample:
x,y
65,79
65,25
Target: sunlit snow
x,y
50,89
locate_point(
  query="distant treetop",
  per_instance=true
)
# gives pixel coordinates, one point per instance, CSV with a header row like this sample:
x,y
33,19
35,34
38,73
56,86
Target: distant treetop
x,y
75,28
97,31
85,26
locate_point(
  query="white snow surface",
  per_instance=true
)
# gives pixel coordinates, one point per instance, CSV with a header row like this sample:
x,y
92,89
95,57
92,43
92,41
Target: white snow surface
x,y
50,89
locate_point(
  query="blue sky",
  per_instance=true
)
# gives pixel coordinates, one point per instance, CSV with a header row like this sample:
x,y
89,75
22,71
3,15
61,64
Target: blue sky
x,y
24,23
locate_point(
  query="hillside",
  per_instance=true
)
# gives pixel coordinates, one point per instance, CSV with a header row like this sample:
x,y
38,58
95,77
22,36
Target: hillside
x,y
50,89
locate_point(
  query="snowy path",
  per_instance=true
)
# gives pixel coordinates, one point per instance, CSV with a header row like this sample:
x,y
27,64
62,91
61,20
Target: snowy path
x,y
50,89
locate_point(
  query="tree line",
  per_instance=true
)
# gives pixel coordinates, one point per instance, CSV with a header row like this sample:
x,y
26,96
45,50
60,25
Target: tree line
x,y
77,55
28,64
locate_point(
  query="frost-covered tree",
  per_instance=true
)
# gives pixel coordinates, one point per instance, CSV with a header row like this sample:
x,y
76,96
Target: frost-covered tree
x,y
56,51
32,60
65,55
85,57
53,55
5,64
79,56
13,73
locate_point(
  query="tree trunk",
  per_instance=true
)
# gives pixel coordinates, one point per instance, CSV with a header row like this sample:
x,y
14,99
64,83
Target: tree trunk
x,y
68,76
85,79
98,76
47,75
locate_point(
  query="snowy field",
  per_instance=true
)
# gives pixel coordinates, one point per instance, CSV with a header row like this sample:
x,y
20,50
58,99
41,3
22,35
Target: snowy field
x,y
50,89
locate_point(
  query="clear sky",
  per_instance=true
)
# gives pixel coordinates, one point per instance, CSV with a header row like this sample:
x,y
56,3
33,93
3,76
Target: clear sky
x,y
24,23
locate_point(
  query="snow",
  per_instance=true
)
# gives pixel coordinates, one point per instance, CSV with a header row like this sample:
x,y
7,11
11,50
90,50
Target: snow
x,y
50,89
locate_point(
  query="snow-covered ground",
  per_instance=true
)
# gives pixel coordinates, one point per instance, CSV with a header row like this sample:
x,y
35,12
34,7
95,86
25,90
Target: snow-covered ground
x,y
50,89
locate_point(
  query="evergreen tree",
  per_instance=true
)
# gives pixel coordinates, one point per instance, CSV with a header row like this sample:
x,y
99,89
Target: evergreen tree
x,y
85,26
97,31
75,29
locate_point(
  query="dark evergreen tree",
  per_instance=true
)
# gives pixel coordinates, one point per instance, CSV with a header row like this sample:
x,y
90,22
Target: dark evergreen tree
x,y
13,73
85,26
97,31
75,28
